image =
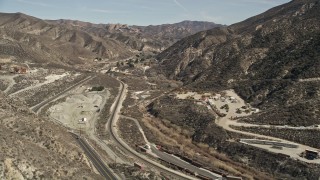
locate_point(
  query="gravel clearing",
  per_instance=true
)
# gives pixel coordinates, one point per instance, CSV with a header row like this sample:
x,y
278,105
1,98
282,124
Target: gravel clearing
x,y
75,108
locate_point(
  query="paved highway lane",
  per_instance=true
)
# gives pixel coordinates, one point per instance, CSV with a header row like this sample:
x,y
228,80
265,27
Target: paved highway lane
x,y
95,159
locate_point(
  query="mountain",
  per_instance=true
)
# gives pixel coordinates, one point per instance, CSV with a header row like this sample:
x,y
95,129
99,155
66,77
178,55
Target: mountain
x,y
142,38
33,39
68,42
272,60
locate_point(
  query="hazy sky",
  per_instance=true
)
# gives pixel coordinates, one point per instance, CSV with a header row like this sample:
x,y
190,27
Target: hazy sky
x,y
141,12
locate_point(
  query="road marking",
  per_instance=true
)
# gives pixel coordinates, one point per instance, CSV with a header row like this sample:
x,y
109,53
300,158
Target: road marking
x,y
100,164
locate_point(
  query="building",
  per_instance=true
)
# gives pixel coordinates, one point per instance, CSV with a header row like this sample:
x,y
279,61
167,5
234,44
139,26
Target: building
x,y
19,70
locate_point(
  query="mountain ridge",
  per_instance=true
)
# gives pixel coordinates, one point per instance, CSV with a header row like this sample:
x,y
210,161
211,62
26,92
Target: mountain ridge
x,y
69,42
151,37
262,57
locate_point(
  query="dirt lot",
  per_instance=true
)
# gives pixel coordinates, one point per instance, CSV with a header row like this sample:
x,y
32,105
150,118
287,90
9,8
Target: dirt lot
x,y
79,110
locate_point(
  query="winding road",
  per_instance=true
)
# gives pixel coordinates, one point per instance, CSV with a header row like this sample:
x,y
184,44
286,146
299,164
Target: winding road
x,y
111,127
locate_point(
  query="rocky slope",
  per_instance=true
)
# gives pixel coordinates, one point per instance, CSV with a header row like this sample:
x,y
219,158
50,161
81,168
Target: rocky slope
x,y
271,60
146,38
34,148
30,38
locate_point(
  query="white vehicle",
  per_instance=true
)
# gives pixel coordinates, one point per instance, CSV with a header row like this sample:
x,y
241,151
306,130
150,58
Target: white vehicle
x,y
83,120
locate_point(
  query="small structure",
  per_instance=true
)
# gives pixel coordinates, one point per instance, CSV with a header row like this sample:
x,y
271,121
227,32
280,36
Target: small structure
x,y
233,99
199,103
204,98
23,70
256,110
139,165
14,69
310,154
142,149
211,102
217,97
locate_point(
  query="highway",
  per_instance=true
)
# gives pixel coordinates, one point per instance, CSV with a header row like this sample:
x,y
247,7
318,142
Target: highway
x,y
37,107
100,166
95,159
112,123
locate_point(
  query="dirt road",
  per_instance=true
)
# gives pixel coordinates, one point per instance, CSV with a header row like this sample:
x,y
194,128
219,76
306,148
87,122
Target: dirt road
x,y
226,122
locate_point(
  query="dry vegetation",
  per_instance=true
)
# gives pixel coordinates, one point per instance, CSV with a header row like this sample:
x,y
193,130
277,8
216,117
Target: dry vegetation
x,y
192,120
300,114
169,138
130,133
131,172
220,151
3,84
35,148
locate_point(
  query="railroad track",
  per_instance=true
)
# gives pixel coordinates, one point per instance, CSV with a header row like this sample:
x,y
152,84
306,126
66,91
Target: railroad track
x,y
37,107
